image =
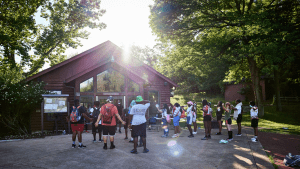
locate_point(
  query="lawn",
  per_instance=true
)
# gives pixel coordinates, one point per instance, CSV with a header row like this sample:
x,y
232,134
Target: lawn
x,y
273,121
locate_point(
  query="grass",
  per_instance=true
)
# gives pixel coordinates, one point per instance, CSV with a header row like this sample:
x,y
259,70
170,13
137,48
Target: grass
x,y
273,121
272,160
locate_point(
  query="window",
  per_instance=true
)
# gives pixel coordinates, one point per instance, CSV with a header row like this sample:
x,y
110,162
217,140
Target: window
x,y
132,86
87,86
110,81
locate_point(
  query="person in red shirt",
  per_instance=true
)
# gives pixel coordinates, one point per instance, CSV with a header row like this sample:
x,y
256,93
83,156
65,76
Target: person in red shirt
x,y
108,115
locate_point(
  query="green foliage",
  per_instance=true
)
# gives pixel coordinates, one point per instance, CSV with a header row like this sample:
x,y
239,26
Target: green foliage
x,y
66,21
16,103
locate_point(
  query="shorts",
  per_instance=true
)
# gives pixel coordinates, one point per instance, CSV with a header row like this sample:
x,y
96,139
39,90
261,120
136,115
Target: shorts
x,y
254,123
109,130
228,121
77,127
207,118
219,117
189,120
127,123
176,121
94,128
239,119
139,130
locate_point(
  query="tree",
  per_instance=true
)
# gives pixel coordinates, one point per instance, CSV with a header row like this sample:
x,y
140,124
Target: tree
x,y
236,31
145,54
20,34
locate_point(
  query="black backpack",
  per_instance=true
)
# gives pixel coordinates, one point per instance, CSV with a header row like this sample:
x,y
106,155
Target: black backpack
x,y
96,113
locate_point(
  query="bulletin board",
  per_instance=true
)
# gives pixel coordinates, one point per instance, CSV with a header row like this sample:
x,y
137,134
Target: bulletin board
x,y
55,104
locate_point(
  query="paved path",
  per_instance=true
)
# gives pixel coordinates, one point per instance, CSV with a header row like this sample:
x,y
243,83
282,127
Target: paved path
x,y
183,152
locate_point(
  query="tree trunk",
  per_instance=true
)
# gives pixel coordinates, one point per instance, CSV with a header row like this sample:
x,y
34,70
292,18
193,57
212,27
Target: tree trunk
x,y
277,90
254,71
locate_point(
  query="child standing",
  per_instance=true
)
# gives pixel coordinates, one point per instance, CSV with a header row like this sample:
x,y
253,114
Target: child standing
x,y
189,118
238,115
206,119
220,111
254,120
228,120
194,111
176,119
164,112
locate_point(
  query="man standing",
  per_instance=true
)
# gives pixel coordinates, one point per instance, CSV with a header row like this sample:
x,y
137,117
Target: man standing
x,y
95,114
77,124
108,115
120,110
139,115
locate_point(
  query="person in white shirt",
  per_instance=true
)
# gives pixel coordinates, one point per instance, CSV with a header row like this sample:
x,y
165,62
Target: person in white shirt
x,y
189,118
254,120
164,113
176,119
238,115
138,113
194,110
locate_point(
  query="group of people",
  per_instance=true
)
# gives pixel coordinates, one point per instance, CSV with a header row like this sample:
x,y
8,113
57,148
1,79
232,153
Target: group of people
x,y
104,120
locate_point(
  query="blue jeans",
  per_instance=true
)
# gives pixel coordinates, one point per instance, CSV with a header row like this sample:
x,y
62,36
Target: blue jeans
x,y
165,124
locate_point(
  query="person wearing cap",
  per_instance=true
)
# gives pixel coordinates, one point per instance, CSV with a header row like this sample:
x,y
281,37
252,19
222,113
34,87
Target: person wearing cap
x,y
189,118
108,112
138,113
120,111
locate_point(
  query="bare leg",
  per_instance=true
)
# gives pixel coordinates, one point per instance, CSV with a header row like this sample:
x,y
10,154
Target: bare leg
x,y
256,131
105,139
144,142
239,128
135,141
220,126
74,135
80,136
126,133
209,127
195,126
120,126
206,128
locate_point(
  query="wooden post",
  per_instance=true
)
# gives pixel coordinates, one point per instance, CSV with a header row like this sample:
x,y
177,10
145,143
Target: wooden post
x,y
42,118
68,108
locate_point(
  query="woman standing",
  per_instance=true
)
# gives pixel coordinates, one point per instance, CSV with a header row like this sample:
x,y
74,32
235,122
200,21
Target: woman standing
x,y
206,119
164,112
189,118
220,111
176,118
194,111
228,120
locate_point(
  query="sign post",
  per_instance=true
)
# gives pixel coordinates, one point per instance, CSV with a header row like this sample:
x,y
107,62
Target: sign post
x,y
54,103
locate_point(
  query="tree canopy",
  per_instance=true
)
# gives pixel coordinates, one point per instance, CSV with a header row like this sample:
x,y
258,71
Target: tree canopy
x,y
66,23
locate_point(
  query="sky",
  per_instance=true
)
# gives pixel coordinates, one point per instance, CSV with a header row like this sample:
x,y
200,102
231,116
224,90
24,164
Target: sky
x,y
127,24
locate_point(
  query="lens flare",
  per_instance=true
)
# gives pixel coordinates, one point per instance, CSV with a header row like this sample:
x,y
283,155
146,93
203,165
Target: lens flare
x,y
171,143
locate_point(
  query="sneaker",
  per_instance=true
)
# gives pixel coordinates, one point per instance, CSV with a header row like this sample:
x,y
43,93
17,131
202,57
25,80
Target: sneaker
x,y
94,141
163,136
105,147
204,138
146,150
73,146
81,146
218,133
255,140
133,151
238,135
126,138
229,139
209,137
190,136
112,147
194,132
100,140
174,136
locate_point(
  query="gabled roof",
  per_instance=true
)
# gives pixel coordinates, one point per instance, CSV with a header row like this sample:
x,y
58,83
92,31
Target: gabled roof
x,y
98,47
71,59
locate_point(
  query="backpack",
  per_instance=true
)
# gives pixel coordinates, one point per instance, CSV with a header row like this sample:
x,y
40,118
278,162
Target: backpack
x,y
107,117
182,113
152,120
95,114
74,116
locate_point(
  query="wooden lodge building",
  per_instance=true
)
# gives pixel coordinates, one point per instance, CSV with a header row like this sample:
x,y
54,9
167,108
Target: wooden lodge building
x,y
99,72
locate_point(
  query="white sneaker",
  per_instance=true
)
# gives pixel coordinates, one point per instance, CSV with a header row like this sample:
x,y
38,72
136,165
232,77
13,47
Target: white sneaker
x,y
174,136
255,140
194,132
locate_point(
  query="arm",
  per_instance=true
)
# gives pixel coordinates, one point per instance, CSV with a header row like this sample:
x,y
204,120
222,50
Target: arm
x,y
119,117
87,117
97,122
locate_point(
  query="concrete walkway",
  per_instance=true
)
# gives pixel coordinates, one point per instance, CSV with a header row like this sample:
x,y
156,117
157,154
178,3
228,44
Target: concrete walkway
x,y
182,152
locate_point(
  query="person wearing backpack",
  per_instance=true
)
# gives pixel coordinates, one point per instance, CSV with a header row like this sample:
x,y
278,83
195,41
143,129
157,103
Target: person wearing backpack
x,y
220,112
76,117
95,114
139,115
164,113
108,114
120,111
189,118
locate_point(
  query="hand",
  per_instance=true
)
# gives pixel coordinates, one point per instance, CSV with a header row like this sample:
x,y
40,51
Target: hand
x,y
123,122
96,124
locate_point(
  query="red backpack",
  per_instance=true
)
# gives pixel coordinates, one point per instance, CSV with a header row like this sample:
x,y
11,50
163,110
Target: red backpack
x,y
74,116
108,115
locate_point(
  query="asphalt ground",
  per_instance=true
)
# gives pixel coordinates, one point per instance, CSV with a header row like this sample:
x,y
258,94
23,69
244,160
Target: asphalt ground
x,y
181,152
